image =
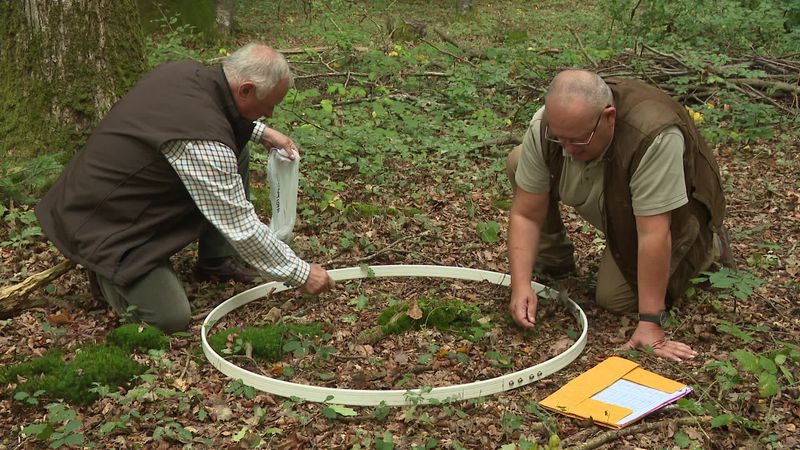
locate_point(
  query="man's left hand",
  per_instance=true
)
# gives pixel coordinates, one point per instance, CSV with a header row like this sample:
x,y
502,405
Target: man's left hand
x,y
651,335
274,138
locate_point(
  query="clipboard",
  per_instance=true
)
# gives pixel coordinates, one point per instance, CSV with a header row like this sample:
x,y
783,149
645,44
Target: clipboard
x,y
615,393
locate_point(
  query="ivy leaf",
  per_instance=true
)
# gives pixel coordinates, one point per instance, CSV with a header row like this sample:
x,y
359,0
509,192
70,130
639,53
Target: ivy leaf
x,y
682,440
767,384
768,365
747,360
40,430
729,328
74,439
721,421
690,406
107,428
343,410
488,231
240,435
387,443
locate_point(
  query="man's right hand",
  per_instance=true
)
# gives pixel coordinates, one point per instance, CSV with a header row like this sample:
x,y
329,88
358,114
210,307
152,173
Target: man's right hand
x,y
523,306
318,281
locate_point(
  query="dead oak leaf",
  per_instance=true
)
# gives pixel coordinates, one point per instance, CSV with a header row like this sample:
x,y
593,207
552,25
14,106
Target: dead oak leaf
x,y
182,384
560,345
220,412
414,311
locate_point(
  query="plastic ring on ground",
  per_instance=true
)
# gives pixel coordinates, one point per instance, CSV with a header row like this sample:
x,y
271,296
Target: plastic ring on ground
x,y
395,397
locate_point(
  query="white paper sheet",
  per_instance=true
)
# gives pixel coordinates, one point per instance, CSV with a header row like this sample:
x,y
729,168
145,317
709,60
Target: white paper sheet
x,y
641,399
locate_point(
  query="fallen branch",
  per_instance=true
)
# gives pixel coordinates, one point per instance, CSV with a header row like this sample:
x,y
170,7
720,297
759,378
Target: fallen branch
x,y
777,85
368,258
505,140
372,99
449,53
12,297
756,94
331,74
362,74
302,50
583,49
455,44
637,429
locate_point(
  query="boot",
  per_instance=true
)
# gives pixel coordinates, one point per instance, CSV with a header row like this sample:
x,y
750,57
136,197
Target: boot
x,y
224,269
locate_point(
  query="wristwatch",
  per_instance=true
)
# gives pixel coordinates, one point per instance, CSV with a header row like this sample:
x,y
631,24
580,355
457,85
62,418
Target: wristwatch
x,y
659,319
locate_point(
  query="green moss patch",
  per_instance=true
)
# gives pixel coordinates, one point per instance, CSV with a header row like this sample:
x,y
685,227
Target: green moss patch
x,y
46,364
139,338
442,314
107,364
266,343
71,381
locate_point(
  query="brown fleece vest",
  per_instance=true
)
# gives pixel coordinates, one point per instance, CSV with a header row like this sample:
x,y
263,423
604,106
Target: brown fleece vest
x,y
118,207
643,112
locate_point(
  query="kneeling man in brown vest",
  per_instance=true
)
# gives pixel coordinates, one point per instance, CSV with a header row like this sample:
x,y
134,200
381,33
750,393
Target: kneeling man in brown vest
x,y
168,166
631,162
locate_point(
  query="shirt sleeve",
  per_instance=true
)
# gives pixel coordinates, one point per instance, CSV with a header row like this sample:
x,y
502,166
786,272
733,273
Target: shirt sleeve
x,y
208,169
658,184
258,132
532,173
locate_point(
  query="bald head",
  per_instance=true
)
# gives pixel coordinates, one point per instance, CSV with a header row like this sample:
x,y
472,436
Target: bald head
x,y
258,63
581,86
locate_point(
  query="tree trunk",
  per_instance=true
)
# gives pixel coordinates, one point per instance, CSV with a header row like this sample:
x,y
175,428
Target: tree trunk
x,y
225,14
63,63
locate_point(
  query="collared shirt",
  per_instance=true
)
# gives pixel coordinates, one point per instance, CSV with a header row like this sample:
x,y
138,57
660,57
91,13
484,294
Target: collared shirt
x,y
210,173
657,185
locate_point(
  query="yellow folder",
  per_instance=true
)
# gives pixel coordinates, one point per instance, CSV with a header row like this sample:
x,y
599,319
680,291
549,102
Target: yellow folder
x,y
623,391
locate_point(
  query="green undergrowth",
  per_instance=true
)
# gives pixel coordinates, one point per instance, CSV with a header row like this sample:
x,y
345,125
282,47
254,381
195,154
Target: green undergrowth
x,y
444,314
266,343
56,376
137,338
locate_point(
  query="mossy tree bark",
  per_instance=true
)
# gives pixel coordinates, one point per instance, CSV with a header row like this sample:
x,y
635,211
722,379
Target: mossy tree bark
x,y
63,63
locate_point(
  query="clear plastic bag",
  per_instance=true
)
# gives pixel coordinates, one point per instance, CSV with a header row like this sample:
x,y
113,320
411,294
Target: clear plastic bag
x,y
283,174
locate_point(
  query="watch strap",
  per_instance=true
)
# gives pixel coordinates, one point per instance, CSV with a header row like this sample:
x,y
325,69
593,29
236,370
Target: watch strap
x,y
659,319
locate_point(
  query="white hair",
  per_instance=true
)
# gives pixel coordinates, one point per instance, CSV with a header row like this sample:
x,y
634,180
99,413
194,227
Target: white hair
x,y
583,84
259,64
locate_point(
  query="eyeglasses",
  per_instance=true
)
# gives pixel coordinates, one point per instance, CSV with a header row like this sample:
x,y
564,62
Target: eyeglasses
x,y
574,143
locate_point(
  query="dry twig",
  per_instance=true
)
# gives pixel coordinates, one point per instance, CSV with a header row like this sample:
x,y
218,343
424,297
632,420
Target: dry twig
x,y
449,53
505,140
637,429
452,42
583,49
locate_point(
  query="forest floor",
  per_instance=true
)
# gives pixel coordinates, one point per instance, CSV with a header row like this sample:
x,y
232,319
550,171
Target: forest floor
x,y
763,209
189,402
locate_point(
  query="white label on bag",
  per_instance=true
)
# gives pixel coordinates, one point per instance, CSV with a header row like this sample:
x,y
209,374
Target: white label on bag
x,y
283,174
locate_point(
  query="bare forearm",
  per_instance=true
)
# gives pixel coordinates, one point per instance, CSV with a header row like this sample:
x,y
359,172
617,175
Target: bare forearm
x,y
523,241
528,212
654,253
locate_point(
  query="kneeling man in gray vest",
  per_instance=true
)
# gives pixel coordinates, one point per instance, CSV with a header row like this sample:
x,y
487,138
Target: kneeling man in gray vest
x,y
168,166
631,162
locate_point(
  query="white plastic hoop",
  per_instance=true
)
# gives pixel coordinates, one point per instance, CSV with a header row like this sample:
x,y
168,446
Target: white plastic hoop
x,y
394,397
